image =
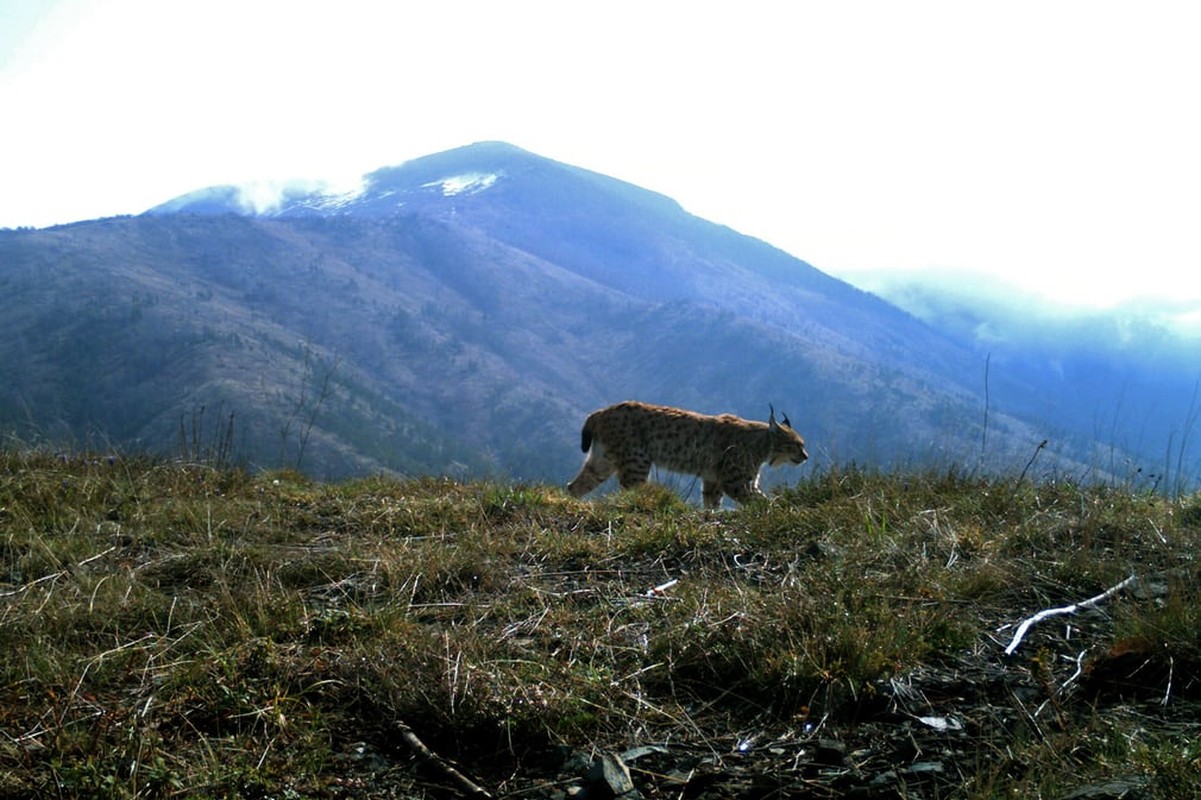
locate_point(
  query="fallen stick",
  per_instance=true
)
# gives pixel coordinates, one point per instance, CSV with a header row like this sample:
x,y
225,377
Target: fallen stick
x,y
56,575
661,589
1072,609
24,587
461,781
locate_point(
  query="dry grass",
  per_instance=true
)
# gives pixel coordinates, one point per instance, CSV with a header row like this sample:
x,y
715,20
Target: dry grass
x,y
175,630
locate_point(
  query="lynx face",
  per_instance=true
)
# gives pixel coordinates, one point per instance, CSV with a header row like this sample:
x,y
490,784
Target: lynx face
x,y
725,451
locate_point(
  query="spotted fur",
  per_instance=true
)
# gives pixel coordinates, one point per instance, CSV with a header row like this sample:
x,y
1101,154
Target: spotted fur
x,y
725,451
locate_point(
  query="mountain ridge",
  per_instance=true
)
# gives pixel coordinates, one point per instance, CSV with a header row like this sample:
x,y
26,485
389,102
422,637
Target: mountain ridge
x,y
460,314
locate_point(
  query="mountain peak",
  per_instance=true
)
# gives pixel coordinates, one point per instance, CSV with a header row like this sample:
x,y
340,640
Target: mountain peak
x,y
425,183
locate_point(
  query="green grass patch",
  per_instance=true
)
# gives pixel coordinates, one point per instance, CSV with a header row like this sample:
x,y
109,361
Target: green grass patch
x,y
173,630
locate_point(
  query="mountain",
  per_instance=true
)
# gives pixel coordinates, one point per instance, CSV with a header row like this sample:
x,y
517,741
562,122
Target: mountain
x,y
460,314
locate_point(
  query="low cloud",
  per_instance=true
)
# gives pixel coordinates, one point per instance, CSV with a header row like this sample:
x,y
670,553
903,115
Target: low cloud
x,y
1003,320
270,197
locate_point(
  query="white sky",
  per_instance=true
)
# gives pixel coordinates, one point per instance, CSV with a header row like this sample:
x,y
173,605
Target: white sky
x,y
1052,143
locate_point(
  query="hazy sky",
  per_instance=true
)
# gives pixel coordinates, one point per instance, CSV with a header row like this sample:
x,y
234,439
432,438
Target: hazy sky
x,y
1055,144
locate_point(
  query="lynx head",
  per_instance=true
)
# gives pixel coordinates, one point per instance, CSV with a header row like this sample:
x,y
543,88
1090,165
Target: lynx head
x,y
787,446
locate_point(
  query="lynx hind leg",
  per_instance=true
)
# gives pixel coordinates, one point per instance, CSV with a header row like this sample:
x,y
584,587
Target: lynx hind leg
x,y
711,493
596,470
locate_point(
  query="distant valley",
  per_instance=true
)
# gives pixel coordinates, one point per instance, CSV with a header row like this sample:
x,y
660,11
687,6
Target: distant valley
x,y
1131,371
462,313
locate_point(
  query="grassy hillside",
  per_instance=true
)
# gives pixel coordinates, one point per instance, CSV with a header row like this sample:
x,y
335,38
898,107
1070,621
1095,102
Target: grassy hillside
x,y
176,630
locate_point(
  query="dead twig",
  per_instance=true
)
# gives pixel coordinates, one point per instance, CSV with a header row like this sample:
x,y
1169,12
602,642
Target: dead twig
x,y
1072,609
56,575
27,586
461,781
661,589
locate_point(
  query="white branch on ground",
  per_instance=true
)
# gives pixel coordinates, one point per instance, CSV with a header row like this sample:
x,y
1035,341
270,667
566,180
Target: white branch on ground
x,y
1072,609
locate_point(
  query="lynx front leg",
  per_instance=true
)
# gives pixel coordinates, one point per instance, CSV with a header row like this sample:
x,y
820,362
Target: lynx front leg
x,y
633,472
746,491
711,493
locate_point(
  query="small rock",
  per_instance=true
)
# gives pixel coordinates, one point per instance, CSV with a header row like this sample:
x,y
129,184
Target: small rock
x,y
1135,788
577,763
941,723
612,773
831,752
635,753
924,768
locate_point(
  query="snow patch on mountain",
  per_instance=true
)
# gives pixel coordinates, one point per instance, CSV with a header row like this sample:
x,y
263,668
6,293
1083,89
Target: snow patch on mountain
x,y
332,201
469,183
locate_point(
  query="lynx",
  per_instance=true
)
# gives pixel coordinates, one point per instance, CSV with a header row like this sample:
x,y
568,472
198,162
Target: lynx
x,y
725,451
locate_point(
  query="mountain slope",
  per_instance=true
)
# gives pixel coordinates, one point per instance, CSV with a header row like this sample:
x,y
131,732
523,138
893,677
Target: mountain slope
x,y
461,314
613,233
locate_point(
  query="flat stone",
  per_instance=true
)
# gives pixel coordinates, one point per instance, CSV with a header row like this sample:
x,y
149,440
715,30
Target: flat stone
x,y
611,772
1124,789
